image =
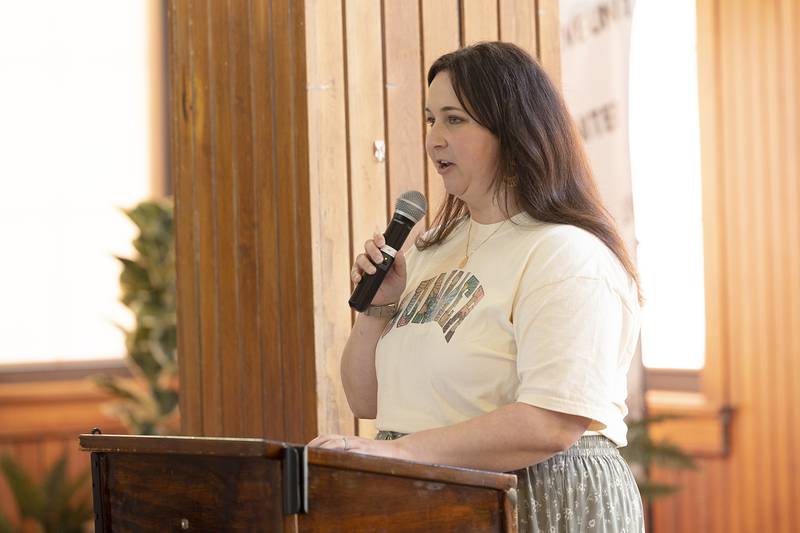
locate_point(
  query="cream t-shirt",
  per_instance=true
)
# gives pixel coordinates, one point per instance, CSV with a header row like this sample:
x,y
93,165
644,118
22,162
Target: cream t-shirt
x,y
542,314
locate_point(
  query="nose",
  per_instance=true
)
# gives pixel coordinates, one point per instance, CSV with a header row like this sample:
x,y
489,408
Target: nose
x,y
435,138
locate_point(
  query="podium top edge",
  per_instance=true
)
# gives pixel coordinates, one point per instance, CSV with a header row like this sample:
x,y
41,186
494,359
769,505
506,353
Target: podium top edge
x,y
268,449
182,445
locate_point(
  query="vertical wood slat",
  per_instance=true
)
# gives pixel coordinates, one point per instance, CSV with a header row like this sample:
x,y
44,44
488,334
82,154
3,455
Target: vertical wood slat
x,y
207,266
263,88
365,118
549,38
518,24
224,184
249,365
297,350
191,396
789,44
479,21
759,241
405,118
440,34
330,216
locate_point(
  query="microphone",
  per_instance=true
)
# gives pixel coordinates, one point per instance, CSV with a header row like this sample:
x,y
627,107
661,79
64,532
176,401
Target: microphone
x,y
409,209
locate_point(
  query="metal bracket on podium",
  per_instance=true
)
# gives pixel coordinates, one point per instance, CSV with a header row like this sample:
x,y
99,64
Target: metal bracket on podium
x,y
295,480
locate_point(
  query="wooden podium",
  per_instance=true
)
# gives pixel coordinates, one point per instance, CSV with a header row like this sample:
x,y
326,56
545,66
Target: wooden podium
x,y
222,484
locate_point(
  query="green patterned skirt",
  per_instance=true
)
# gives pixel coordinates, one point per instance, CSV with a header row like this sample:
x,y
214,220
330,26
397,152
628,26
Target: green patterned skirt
x,y
588,487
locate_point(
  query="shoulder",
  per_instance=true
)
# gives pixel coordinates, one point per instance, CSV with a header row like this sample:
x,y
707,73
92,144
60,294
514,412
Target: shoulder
x,y
564,250
559,253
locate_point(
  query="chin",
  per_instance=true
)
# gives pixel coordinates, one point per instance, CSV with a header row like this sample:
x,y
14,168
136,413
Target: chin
x,y
453,188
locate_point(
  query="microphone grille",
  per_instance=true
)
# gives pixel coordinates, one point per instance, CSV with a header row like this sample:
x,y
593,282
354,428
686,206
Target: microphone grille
x,y
412,204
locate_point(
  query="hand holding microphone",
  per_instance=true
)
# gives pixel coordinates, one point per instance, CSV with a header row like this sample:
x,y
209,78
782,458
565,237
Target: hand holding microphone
x,y
380,272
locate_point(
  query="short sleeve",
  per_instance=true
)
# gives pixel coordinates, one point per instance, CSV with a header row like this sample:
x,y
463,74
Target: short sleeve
x,y
569,335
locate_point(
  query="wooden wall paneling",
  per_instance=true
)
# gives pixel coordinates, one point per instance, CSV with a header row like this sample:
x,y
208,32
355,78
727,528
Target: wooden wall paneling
x,y
262,60
291,174
249,194
223,179
366,112
549,38
405,118
245,219
788,140
440,35
182,113
518,24
330,215
479,21
749,114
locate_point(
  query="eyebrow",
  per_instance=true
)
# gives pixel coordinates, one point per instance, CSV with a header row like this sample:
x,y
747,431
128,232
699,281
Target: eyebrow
x,y
447,108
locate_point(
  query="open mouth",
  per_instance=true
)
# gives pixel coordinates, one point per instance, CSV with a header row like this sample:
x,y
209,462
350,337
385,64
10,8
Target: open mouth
x,y
443,163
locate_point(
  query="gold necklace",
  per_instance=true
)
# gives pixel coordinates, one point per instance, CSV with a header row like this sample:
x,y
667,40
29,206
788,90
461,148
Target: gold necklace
x,y
467,255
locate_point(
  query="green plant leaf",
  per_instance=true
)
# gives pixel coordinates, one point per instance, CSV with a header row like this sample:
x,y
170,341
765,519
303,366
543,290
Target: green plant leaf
x,y
114,387
27,495
54,481
147,284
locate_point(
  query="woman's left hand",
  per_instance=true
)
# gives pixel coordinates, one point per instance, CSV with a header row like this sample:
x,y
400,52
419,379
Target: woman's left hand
x,y
381,448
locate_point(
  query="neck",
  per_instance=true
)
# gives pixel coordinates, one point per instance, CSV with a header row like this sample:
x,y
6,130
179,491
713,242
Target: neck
x,y
494,210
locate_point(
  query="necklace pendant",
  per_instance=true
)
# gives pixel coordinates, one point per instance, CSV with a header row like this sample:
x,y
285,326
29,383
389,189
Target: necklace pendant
x,y
463,262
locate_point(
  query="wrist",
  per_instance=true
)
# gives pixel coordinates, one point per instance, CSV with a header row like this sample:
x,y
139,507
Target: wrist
x,y
381,311
400,449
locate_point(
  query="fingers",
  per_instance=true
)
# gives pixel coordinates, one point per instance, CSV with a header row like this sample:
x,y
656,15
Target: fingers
x,y
331,442
399,264
363,263
372,248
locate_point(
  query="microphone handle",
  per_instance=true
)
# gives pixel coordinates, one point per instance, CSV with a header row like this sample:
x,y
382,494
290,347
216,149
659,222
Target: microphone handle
x,y
369,284
395,236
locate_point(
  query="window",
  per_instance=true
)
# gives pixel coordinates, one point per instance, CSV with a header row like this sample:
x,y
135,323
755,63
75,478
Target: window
x,y
666,181
75,141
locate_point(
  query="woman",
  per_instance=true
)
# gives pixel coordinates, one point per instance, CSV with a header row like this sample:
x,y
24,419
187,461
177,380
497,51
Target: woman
x,y
503,339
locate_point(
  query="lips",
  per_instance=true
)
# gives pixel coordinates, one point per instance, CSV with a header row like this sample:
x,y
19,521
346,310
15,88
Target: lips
x,y
443,165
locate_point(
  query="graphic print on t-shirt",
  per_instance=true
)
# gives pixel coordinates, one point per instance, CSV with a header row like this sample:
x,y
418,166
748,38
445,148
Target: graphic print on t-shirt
x,y
446,299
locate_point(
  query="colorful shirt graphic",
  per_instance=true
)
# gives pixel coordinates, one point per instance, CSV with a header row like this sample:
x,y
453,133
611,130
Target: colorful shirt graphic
x,y
446,299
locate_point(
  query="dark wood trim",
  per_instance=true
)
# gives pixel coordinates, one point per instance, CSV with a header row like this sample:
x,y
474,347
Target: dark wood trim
x,y
62,370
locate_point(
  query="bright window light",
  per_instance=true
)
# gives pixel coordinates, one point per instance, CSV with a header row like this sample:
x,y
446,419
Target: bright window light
x,y
665,166
74,149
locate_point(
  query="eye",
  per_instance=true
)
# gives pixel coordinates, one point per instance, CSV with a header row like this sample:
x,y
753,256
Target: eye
x,y
454,120
429,121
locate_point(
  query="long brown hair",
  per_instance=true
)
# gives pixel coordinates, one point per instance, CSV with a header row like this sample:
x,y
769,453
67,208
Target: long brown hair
x,y
542,164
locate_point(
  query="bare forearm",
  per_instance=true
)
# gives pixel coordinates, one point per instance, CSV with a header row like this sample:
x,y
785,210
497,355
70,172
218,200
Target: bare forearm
x,y
509,438
358,366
